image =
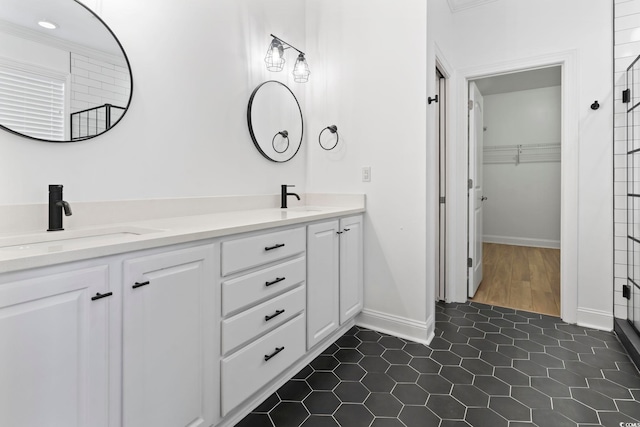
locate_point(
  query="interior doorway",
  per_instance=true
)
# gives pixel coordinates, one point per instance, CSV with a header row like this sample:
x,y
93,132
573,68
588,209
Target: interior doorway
x,y
441,137
514,190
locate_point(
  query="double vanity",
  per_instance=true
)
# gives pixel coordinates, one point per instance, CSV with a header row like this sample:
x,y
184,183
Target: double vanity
x,y
187,321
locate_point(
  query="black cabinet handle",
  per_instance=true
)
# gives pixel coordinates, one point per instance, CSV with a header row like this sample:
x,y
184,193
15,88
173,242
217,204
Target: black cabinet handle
x,y
347,229
339,232
269,356
279,245
138,284
276,314
100,296
278,279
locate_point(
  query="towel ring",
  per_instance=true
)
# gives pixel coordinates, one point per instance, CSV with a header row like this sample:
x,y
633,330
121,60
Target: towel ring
x,y
285,135
332,129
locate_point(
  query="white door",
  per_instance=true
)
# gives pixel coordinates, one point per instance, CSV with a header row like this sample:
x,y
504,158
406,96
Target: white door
x,y
351,268
475,188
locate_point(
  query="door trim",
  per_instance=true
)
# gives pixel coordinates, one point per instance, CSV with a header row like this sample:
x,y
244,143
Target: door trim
x,y
458,176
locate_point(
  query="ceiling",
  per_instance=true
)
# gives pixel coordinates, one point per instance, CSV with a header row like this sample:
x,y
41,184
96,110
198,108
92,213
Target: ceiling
x,y
458,5
523,80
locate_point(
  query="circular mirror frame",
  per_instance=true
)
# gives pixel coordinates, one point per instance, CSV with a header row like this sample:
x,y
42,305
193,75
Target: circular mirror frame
x,y
95,15
249,122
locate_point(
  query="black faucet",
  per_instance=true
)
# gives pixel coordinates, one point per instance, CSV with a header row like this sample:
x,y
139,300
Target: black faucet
x,y
284,194
56,205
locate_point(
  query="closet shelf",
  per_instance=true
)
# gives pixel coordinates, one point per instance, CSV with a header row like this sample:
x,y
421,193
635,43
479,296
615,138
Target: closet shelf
x,y
521,153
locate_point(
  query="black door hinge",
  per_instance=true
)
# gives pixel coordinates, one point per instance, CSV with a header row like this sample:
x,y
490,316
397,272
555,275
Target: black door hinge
x,y
626,96
469,262
626,291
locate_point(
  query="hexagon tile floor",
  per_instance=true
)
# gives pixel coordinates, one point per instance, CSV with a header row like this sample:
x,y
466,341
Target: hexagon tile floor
x,y
486,367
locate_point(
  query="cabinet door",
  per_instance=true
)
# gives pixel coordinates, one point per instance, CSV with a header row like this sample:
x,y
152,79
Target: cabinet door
x,y
168,343
53,350
351,267
322,281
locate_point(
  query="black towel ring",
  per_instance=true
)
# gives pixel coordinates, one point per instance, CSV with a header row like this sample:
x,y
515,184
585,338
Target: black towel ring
x,y
332,129
285,135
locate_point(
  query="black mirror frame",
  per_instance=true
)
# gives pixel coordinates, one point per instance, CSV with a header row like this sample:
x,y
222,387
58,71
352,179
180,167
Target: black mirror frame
x,y
124,53
249,122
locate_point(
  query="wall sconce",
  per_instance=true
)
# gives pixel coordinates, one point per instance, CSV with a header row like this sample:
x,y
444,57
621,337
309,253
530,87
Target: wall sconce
x,y
275,59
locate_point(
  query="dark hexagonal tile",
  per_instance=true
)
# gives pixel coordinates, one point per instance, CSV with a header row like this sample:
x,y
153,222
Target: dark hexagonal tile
x,y
324,363
548,417
321,402
445,358
593,399
550,387
630,408
597,362
446,407
348,355
454,423
485,417
330,350
514,333
383,405
268,404
555,333
516,318
410,394
575,346
367,335
348,341
355,415
349,372
378,382
513,352
461,321
468,308
387,422
434,384
455,337
562,353
490,313
470,395
530,346
391,342
615,418
453,312
446,327
354,330
609,389
499,339
471,332
582,369
396,357
425,365
543,322
371,348
477,367
575,411
530,329
476,317
352,392
418,416
320,421
511,376
374,364
627,367
567,377
439,344
546,360
572,329
530,368
465,350
496,359
402,373
288,413
456,375
590,341
491,385
255,420
531,397
502,323
294,390
322,381
303,373
487,327
510,409
623,378
483,344
544,340
417,350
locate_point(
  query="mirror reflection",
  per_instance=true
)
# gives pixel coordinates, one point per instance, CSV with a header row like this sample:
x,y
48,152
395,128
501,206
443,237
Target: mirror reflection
x,y
63,75
275,121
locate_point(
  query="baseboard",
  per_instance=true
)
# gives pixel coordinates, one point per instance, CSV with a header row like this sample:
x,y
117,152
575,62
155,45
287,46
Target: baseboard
x,y
522,241
595,319
421,332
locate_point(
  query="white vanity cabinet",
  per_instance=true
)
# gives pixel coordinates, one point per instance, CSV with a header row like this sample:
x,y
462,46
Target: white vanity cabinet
x,y
54,341
169,325
334,276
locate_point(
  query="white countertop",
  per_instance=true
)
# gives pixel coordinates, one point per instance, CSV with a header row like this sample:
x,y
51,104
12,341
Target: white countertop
x,y
25,251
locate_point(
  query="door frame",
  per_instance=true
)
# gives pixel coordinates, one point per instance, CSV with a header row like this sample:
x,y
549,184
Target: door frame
x,y
458,176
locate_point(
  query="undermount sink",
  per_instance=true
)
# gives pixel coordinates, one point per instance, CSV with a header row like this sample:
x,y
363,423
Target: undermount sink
x,y
56,238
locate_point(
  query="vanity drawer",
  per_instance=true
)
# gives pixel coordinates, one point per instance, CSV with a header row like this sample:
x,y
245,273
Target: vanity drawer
x,y
242,254
248,370
261,285
251,323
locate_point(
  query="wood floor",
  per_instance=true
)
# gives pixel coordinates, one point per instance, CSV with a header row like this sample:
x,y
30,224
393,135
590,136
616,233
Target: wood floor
x,y
521,277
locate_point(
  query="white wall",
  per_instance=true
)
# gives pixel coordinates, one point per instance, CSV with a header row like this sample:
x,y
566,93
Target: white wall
x,y
506,31
523,205
370,81
194,68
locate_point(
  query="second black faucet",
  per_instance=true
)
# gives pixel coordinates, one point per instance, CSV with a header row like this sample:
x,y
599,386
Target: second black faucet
x,y
284,193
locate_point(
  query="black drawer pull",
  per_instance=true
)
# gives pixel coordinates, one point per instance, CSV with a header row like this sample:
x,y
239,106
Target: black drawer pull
x,y
347,229
269,356
138,284
99,296
278,279
279,245
339,232
277,313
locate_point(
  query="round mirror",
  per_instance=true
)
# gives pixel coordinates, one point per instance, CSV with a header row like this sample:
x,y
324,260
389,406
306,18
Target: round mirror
x,y
63,74
275,121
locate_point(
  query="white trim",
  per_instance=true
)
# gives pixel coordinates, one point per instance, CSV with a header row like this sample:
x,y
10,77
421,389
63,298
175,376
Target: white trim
x,y
421,332
596,319
569,175
522,241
